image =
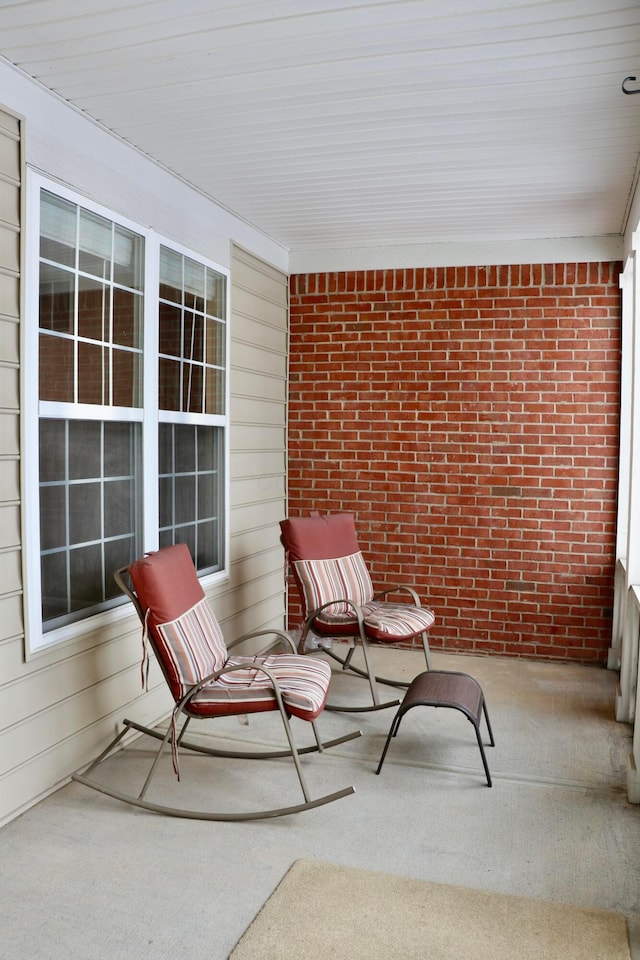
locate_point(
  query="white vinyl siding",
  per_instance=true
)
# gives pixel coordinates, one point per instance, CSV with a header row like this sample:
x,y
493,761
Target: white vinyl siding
x,y
60,706
259,339
10,248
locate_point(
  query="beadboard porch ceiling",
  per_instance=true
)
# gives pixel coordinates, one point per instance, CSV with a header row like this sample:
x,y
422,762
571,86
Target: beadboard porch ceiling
x,y
353,123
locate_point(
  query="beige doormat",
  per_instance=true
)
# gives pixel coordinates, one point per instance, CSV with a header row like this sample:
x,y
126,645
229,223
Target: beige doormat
x,y
321,911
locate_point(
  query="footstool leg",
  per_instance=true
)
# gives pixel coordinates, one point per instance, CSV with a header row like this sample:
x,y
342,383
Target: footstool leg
x,y
486,717
482,754
392,732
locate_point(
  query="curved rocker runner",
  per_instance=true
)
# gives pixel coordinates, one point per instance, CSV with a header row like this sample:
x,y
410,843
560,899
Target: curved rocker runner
x,y
206,682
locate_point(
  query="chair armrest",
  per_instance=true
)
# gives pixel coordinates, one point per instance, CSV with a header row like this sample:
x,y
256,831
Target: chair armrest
x,y
400,588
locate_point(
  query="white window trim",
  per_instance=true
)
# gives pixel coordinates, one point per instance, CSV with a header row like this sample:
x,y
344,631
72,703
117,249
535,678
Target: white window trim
x,y
38,641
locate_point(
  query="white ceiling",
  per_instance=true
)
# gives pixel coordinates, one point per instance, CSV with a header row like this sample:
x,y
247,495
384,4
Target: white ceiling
x,y
351,123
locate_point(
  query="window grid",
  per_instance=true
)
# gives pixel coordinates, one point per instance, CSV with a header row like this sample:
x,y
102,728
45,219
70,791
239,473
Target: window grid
x,y
192,300
97,296
76,367
67,553
190,492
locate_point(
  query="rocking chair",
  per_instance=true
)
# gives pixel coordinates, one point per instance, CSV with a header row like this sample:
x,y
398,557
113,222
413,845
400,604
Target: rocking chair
x,y
338,599
206,682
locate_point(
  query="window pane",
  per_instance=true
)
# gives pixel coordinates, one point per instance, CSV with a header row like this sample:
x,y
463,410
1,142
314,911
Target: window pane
x,y
206,441
169,386
206,542
127,313
205,496
93,309
53,517
85,577
57,293
214,398
128,265
94,255
89,307
53,460
118,506
193,284
56,368
127,378
85,512
119,450
170,330
215,347
216,294
92,374
170,275
165,491
185,447
193,336
166,448
187,535
166,538
97,468
85,440
192,388
58,229
190,495
117,554
185,498
55,581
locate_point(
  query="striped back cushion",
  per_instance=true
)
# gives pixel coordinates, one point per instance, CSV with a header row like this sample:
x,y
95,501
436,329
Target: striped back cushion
x,y
183,630
344,578
192,647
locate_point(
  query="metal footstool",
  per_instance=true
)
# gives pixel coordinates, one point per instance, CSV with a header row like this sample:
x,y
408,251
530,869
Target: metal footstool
x,y
445,688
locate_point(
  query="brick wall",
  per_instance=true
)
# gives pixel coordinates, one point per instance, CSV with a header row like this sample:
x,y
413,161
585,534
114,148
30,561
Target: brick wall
x,y
468,416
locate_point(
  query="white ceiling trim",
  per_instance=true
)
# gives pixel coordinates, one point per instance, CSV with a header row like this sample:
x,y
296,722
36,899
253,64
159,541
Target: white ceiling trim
x,y
366,125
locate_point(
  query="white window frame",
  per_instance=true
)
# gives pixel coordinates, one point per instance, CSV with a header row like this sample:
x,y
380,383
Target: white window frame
x,y
36,638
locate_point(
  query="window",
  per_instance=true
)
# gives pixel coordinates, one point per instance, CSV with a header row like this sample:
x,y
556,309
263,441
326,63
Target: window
x,y
192,380
125,389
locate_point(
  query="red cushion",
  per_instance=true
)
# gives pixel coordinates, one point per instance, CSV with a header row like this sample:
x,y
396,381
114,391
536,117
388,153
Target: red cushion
x,y
320,537
166,583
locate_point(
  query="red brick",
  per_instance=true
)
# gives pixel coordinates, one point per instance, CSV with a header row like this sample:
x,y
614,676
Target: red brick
x,y
440,386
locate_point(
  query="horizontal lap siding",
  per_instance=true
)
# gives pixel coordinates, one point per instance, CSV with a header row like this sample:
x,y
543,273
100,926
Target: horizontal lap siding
x,y
11,616
60,707
56,708
259,304
469,418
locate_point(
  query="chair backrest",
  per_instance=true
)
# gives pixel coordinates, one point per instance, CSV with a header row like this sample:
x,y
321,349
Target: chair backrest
x,y
183,630
326,560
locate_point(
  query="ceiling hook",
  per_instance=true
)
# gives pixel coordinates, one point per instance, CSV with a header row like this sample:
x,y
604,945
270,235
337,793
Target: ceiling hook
x,y
624,89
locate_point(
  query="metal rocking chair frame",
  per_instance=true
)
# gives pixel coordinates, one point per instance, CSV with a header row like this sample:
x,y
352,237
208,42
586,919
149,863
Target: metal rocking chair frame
x,y
176,740
358,630
345,662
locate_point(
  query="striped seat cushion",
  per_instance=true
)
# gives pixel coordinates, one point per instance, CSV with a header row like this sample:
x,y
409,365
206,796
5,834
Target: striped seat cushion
x,y
303,682
396,621
193,647
390,622
342,578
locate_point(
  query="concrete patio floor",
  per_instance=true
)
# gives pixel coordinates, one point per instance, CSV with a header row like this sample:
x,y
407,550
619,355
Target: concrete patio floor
x,y
86,876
